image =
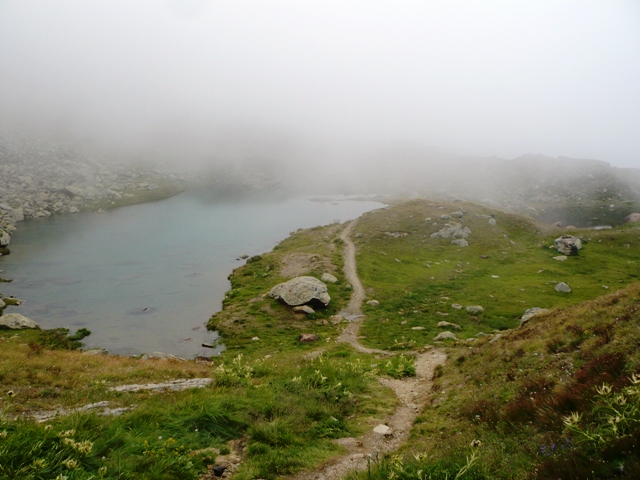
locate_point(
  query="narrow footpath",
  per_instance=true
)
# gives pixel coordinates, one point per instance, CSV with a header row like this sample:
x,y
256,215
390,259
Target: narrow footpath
x,y
412,393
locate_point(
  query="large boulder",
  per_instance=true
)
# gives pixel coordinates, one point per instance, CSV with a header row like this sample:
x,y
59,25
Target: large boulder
x,y
15,321
74,191
567,244
632,218
301,290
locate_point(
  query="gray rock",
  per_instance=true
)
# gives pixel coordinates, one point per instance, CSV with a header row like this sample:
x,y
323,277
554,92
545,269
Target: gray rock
x,y
74,191
492,221
161,356
373,303
495,338
5,239
461,242
567,244
532,312
384,430
560,258
458,214
18,214
301,290
452,230
632,218
304,309
474,309
447,335
453,326
445,217
327,277
563,287
15,321
457,306
417,328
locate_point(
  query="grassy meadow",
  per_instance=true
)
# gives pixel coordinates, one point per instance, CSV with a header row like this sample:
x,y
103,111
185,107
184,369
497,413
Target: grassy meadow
x,y
555,398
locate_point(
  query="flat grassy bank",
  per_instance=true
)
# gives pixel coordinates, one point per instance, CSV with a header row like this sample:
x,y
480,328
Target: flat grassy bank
x,y
141,195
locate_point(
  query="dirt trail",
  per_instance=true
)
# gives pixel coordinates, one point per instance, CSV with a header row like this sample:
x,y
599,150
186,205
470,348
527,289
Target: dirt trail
x,y
412,392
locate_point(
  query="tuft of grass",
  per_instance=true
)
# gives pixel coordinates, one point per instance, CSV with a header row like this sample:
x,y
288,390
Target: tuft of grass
x,y
399,367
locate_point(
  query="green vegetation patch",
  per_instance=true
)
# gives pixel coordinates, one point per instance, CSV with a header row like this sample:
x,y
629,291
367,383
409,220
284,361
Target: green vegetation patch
x,y
558,398
507,268
249,313
279,413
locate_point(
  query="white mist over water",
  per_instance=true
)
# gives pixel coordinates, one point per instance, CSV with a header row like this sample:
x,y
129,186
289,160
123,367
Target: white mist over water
x,y
172,258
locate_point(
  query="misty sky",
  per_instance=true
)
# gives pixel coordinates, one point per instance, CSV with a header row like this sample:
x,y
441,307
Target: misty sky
x,y
472,77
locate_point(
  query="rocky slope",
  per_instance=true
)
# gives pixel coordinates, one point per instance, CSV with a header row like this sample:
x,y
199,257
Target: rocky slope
x,y
39,178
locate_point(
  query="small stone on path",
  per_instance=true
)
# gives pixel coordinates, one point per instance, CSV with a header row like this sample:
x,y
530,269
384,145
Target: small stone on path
x,y
383,430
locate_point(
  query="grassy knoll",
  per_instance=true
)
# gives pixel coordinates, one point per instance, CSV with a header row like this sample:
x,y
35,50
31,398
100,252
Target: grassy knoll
x,y
417,278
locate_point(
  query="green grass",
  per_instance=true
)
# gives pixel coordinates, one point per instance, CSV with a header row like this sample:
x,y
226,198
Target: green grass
x,y
286,414
514,399
248,311
432,274
498,408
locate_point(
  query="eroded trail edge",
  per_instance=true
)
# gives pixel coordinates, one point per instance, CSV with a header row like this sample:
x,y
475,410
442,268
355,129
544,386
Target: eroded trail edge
x,y
412,393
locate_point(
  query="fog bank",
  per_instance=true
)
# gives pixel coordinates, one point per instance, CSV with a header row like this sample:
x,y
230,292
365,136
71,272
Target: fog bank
x,y
205,83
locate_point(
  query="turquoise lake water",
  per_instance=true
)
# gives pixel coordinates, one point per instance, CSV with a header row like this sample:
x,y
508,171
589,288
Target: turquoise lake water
x,y
147,277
